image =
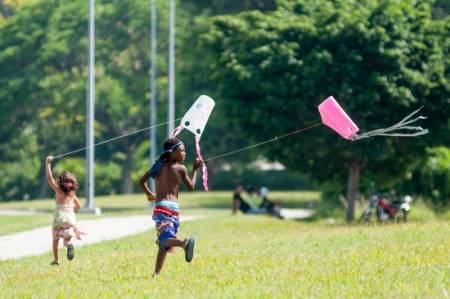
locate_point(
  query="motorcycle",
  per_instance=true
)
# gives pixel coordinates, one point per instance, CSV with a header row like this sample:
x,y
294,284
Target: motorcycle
x,y
385,210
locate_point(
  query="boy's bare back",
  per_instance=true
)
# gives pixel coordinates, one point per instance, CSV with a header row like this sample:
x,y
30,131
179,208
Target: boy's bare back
x,y
168,181
168,171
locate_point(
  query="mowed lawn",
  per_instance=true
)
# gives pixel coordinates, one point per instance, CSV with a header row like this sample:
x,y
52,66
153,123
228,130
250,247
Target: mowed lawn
x,y
250,257
240,256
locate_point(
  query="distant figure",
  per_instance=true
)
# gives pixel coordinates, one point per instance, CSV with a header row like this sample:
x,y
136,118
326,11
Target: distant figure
x,y
168,172
264,193
240,204
271,207
67,203
238,201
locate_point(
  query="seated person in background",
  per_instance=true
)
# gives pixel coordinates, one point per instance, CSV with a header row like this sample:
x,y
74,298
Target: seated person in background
x,y
271,207
240,204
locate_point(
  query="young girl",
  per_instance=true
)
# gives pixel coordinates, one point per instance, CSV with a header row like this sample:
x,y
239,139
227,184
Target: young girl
x,y
168,171
64,221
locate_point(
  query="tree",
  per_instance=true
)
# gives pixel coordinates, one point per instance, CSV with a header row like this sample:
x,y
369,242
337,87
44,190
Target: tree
x,y
430,178
381,59
43,57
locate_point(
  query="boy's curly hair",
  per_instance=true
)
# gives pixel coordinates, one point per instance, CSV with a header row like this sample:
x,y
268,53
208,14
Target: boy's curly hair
x,y
67,181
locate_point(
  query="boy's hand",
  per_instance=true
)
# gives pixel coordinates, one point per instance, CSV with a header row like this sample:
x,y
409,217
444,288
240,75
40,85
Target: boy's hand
x,y
49,159
197,164
151,197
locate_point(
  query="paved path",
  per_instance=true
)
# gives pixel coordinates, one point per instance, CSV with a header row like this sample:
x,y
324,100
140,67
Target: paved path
x,y
19,213
296,213
39,240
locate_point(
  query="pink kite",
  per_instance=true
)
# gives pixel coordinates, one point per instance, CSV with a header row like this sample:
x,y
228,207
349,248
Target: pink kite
x,y
335,117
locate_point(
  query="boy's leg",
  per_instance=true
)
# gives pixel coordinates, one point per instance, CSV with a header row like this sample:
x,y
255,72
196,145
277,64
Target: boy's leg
x,y
160,258
173,242
186,244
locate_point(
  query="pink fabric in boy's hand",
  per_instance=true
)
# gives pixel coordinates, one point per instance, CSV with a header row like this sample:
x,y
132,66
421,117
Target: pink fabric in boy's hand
x,y
335,117
204,168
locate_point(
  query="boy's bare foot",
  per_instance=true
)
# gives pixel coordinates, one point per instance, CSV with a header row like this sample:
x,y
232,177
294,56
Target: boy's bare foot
x,y
189,249
70,252
54,263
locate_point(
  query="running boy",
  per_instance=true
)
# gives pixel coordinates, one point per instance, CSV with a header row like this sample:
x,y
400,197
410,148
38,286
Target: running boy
x,y
168,171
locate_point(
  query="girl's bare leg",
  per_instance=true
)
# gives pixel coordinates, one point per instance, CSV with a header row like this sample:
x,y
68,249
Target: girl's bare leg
x,y
55,250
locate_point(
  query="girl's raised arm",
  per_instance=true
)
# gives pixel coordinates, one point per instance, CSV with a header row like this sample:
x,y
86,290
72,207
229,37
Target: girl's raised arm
x,y
48,172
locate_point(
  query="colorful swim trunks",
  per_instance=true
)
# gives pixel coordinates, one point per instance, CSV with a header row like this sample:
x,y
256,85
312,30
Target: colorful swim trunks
x,y
165,215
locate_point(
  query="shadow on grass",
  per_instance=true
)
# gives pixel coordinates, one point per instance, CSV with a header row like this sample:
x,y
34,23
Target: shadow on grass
x,y
324,210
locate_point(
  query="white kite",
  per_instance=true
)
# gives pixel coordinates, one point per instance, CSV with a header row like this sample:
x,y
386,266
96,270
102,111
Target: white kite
x,y
195,121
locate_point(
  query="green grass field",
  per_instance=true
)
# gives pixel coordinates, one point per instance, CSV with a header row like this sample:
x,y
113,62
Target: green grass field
x,y
251,256
241,256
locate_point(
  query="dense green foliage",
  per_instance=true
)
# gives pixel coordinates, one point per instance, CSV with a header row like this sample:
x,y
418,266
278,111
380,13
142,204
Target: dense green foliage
x,y
381,59
267,63
430,177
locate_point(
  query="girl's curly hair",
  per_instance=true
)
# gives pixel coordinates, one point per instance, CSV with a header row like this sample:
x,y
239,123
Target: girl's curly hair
x,y
67,181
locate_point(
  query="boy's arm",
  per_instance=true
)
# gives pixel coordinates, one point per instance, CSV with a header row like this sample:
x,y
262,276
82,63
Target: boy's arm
x,y
48,173
143,183
190,182
77,204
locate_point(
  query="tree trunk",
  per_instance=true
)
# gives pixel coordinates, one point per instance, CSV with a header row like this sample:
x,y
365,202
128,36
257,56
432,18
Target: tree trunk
x,y
352,188
127,167
44,189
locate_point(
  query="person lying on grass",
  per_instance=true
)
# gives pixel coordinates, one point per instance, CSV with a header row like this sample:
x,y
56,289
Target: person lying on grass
x,y
167,172
64,220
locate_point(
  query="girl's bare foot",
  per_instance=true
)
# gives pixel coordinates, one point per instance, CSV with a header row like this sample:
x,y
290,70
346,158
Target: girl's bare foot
x,y
54,263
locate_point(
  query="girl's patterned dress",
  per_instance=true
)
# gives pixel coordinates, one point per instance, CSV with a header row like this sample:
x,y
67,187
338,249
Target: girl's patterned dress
x,y
64,223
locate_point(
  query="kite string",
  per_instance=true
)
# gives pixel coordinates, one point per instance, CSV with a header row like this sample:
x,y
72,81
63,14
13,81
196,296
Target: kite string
x,y
112,139
264,142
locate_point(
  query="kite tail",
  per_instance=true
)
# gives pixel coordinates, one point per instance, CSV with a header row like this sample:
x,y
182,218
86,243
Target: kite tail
x,y
175,133
397,130
204,168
